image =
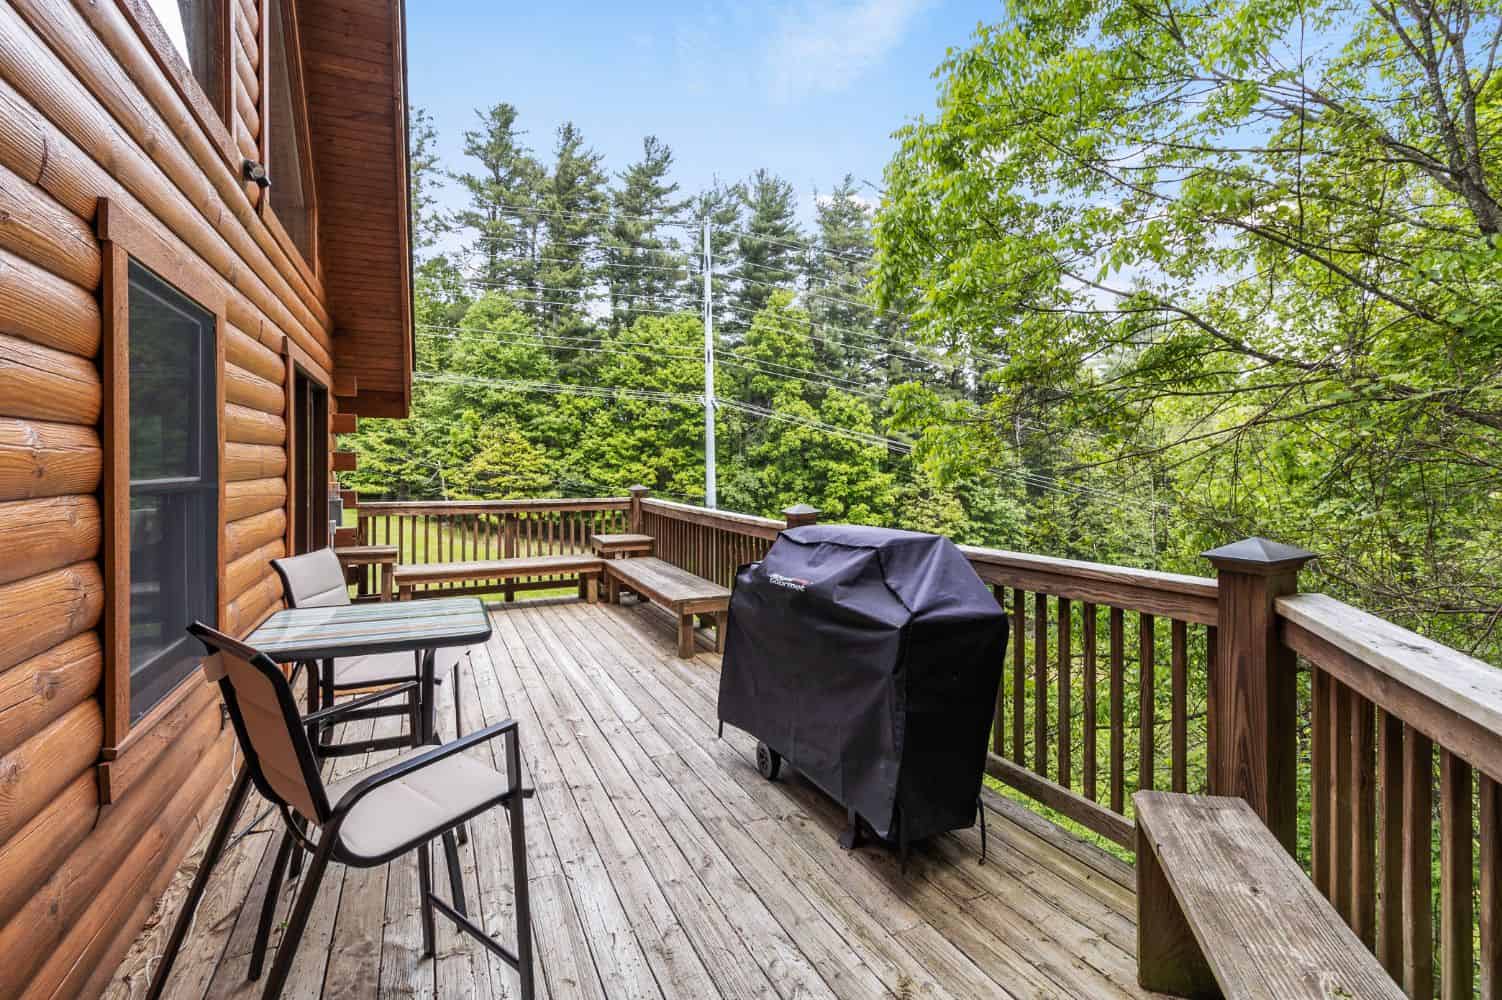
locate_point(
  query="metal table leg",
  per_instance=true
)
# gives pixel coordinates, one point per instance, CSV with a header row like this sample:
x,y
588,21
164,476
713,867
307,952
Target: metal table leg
x,y
211,856
429,661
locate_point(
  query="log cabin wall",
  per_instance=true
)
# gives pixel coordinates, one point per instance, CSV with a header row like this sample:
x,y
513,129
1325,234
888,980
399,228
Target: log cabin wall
x,y
108,150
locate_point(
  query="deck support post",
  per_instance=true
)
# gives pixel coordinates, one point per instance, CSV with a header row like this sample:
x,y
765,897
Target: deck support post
x,y
1253,684
800,514
638,494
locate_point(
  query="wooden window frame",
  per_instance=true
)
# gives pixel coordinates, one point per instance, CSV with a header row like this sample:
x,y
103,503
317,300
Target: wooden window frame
x,y
124,238
214,120
297,84
299,361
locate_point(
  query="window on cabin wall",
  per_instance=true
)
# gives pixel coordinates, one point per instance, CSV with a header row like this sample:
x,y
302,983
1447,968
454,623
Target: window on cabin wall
x,y
196,29
289,196
174,485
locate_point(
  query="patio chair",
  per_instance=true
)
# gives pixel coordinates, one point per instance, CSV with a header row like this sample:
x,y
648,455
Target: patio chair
x,y
369,818
316,580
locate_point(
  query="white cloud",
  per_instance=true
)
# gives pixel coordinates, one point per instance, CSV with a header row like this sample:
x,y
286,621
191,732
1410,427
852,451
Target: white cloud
x,y
826,45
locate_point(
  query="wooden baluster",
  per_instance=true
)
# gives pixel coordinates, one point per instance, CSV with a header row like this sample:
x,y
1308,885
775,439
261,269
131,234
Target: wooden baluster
x,y
1418,912
1320,770
1087,750
1390,788
1212,650
1490,801
998,721
1179,708
1147,701
1040,684
1457,908
1342,811
1066,693
1019,677
1118,710
1362,739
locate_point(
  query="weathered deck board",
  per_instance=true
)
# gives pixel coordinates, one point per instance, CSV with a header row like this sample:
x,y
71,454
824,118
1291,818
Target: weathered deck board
x,y
662,865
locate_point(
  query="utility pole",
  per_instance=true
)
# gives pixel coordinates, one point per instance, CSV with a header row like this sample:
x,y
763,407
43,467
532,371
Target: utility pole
x,y
709,463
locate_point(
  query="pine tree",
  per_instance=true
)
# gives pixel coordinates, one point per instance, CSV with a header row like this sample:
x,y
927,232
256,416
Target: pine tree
x,y
575,204
720,206
424,175
503,202
645,257
768,249
838,271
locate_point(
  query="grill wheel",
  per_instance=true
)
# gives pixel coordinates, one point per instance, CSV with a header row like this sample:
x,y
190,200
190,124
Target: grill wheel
x,y
768,761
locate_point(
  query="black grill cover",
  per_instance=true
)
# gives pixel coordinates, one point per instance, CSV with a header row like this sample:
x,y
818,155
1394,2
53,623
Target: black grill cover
x,y
869,659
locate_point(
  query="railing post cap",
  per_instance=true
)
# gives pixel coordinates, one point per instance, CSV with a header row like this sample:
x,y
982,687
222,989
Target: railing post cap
x,y
638,490
1259,556
800,510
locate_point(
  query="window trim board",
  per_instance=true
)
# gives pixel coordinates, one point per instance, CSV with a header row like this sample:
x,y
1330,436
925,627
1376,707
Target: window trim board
x,y
123,237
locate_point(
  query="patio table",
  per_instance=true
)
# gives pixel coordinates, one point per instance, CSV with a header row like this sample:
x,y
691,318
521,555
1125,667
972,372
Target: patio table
x,y
295,635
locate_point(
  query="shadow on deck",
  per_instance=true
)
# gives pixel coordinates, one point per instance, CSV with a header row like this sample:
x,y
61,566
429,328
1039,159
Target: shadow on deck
x,y
663,865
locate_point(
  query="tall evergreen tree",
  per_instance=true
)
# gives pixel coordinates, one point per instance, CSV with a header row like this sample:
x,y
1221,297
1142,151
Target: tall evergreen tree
x,y
575,205
768,248
838,271
720,206
644,256
424,176
503,202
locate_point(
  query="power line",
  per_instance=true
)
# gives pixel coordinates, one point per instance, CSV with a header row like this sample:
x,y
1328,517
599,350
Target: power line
x,y
771,368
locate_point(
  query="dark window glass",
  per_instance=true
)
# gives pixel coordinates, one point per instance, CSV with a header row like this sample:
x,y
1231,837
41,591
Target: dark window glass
x,y
289,194
174,488
196,28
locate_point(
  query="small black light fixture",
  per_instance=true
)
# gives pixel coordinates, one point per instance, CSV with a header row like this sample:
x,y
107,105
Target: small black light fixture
x,y
255,172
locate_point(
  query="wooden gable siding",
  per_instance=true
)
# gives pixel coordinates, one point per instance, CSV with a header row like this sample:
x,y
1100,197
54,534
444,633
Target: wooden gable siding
x,y
352,52
92,115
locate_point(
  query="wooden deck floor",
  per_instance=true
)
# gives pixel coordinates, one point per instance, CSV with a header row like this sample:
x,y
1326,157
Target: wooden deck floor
x,y
663,865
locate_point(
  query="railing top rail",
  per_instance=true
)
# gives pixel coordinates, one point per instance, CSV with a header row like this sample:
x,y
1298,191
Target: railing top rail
x,y
1172,595
1453,698
749,524
493,506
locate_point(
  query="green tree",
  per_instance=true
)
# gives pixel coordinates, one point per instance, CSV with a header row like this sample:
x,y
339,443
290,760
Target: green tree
x,y
575,203
504,196
1276,301
768,248
644,260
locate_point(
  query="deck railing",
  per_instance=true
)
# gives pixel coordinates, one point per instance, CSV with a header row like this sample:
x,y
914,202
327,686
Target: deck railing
x,y
1373,753
464,531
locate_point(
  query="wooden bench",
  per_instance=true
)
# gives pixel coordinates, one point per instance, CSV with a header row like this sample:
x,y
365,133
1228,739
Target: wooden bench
x,y
678,590
1223,910
587,567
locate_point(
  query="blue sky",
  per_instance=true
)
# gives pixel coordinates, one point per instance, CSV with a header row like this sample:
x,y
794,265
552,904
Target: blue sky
x,y
810,89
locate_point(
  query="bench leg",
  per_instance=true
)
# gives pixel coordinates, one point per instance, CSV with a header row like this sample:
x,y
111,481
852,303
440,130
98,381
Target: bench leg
x,y
612,590
685,636
592,589
720,620
1168,958
407,593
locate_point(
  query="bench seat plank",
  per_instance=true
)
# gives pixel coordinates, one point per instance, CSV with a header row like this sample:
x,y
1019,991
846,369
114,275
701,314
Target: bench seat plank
x,y
1218,895
411,575
676,589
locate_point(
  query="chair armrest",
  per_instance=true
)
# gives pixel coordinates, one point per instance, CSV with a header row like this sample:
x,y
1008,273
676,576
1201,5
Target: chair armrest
x,y
413,764
334,711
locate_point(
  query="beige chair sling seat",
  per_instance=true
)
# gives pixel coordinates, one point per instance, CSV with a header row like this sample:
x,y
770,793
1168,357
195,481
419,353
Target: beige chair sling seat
x,y
379,669
435,797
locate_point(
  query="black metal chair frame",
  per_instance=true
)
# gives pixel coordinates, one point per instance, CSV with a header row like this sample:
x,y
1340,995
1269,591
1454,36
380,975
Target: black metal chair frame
x,y
328,845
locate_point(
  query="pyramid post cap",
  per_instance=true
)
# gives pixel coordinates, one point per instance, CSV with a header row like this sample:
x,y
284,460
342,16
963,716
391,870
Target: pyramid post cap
x,y
638,488
1258,555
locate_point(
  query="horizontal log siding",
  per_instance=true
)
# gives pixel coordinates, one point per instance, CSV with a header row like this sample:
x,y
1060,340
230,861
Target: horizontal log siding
x,y
87,113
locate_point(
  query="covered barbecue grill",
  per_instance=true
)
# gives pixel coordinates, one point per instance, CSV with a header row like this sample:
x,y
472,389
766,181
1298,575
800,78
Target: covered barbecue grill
x,y
868,658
